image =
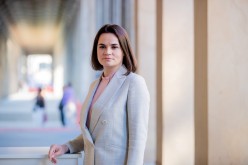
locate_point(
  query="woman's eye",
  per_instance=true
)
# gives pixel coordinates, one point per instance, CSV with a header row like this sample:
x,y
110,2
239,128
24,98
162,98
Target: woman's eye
x,y
101,47
114,47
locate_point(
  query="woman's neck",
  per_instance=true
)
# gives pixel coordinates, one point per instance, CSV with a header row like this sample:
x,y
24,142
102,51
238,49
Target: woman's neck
x,y
109,71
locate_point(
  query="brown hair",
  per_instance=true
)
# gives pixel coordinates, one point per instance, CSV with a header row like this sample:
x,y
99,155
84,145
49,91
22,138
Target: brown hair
x,y
129,59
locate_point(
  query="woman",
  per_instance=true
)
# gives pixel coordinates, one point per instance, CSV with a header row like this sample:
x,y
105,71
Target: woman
x,y
39,115
114,116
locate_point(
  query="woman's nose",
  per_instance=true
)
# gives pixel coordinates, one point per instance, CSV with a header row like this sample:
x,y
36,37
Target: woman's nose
x,y
107,51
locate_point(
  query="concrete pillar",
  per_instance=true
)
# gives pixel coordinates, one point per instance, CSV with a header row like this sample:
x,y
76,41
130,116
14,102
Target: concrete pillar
x,y
58,57
80,41
129,18
98,12
116,14
103,12
10,62
13,53
106,11
3,65
177,82
147,58
166,60
22,71
227,78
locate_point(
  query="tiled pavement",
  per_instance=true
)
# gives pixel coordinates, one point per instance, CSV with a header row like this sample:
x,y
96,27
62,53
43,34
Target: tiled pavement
x,y
17,129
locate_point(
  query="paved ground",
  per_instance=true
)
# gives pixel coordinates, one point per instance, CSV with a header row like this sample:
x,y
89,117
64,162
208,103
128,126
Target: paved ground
x,y
35,137
17,129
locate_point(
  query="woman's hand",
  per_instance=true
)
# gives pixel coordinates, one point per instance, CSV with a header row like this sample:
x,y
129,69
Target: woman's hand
x,y
55,151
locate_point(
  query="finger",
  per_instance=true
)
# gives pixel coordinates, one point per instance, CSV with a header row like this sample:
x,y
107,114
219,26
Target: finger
x,y
51,157
51,153
51,150
54,161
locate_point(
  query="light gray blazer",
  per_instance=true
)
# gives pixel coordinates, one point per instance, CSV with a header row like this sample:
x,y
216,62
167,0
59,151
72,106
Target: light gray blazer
x,y
119,122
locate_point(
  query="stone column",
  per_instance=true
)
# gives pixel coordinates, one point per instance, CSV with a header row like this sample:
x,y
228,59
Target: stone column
x,y
129,18
103,12
3,66
10,61
116,13
145,20
58,57
13,54
80,43
227,78
177,81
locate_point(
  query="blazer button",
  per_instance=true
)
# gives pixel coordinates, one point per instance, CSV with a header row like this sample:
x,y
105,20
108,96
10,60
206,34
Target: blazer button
x,y
104,122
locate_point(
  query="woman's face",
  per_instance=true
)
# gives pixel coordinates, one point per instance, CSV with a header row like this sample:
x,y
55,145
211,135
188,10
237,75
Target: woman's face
x,y
109,53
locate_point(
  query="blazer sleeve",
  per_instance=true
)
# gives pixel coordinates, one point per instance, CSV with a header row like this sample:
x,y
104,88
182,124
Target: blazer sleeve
x,y
76,145
138,103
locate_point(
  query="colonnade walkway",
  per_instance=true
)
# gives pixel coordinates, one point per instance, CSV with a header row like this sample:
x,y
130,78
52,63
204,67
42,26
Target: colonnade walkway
x,y
17,128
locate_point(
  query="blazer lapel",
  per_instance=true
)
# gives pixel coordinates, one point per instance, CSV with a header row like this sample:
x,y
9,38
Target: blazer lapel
x,y
87,103
105,98
85,109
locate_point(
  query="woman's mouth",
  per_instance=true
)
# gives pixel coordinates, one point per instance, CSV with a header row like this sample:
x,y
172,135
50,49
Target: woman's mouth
x,y
107,58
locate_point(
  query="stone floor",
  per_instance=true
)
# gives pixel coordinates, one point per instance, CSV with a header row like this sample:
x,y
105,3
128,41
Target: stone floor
x,y
17,129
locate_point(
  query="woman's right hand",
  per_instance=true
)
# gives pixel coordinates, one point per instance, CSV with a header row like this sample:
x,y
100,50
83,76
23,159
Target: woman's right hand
x,y
55,151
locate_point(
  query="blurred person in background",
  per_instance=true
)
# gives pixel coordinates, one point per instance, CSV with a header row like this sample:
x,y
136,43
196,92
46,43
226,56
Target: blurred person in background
x,y
114,116
67,106
39,114
61,106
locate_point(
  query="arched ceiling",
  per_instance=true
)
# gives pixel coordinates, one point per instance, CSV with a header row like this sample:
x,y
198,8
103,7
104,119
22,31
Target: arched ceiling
x,y
36,25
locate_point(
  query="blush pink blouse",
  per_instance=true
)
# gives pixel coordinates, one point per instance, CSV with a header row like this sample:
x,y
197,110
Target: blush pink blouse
x,y
103,84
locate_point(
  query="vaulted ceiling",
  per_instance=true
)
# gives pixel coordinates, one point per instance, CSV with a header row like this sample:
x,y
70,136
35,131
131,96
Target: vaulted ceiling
x,y
36,25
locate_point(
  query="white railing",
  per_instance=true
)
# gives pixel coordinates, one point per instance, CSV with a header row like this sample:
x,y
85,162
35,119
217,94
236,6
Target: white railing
x,y
35,156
